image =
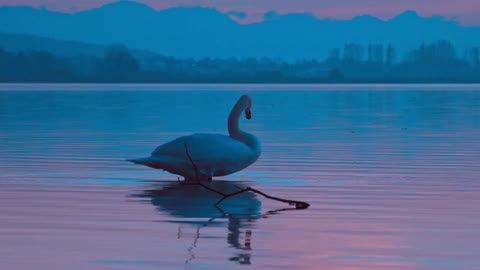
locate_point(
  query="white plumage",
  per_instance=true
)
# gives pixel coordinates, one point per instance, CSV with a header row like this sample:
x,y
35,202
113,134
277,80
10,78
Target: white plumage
x,y
212,154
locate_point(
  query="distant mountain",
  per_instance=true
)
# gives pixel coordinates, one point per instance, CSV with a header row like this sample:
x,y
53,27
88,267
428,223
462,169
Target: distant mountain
x,y
205,32
24,43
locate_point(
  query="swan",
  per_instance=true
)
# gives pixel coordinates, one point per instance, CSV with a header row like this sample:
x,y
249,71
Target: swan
x,y
212,154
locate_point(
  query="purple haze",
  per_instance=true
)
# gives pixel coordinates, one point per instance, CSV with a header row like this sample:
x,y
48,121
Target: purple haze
x,y
466,12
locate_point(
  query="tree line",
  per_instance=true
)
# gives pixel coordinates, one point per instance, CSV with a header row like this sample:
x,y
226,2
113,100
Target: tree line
x,y
436,62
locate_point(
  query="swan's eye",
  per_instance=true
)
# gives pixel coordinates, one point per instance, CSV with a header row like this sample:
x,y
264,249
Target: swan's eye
x,y
248,114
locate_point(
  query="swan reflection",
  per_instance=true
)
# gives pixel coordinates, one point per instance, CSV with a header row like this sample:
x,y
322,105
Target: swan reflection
x,y
194,205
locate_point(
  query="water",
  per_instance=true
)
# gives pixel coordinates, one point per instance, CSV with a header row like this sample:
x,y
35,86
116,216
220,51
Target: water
x,y
391,176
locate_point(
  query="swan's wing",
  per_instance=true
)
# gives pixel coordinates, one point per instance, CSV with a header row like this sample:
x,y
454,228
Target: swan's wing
x,y
175,148
211,152
210,146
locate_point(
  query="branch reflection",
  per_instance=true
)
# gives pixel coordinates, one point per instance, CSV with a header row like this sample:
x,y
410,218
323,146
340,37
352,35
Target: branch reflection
x,y
195,206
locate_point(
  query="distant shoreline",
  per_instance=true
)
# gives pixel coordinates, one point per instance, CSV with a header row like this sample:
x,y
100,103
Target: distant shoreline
x,y
232,86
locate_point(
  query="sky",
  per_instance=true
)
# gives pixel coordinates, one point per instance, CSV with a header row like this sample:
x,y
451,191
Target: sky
x,y
466,12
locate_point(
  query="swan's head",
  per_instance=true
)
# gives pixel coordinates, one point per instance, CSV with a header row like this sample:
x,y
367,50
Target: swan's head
x,y
247,101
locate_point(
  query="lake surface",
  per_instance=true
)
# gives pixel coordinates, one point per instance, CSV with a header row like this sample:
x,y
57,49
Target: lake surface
x,y
392,177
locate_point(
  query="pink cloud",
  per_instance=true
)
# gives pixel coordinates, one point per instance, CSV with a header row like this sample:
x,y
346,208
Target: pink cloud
x,y
460,10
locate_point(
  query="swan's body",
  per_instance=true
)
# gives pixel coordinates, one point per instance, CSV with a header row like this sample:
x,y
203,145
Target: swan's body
x,y
212,154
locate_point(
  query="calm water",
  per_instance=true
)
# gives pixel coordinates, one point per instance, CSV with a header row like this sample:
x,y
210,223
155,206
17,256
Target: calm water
x,y
391,176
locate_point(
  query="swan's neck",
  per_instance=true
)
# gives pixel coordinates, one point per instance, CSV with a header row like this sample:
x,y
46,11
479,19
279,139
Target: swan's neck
x,y
233,119
235,131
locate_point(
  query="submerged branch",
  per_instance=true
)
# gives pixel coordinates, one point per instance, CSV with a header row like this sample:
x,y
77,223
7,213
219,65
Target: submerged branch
x,y
298,204
198,182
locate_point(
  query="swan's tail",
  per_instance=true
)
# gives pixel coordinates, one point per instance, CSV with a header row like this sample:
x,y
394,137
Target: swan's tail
x,y
136,161
171,165
153,162
141,161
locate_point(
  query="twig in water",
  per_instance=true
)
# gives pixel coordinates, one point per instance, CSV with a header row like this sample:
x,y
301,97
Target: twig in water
x,y
298,204
198,182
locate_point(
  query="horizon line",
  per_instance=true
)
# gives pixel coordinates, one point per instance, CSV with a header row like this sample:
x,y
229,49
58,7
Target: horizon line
x,y
236,86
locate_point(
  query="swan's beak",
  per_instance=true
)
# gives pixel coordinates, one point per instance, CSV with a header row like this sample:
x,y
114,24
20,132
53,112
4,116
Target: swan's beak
x,y
248,114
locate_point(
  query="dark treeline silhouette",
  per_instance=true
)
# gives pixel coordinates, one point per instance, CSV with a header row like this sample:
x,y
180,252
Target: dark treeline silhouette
x,y
437,62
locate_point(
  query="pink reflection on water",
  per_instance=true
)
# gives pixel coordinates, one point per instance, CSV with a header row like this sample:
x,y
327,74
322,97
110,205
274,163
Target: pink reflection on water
x,y
382,197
